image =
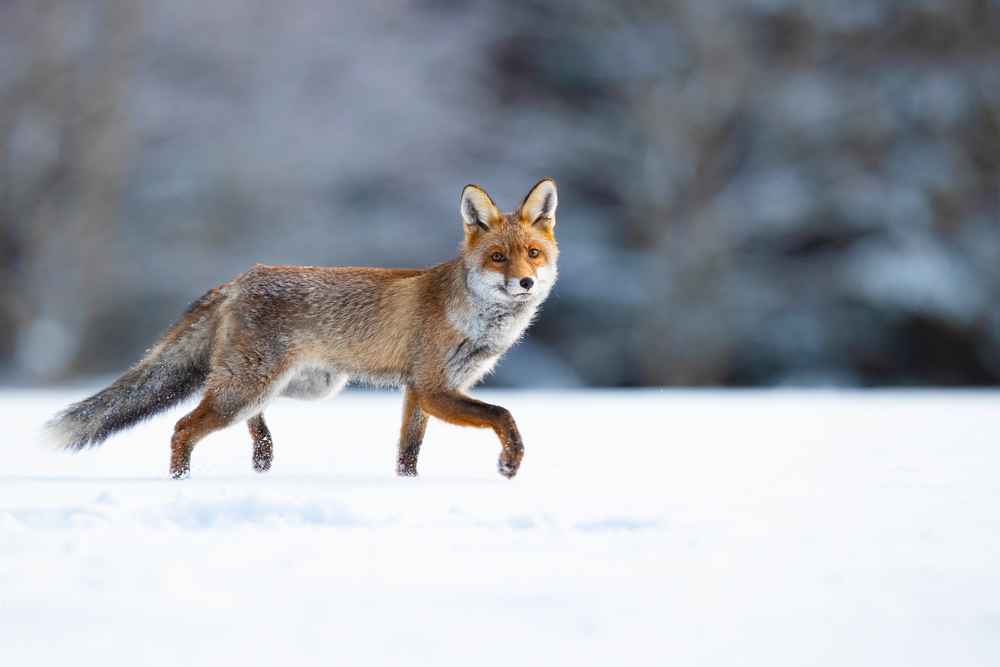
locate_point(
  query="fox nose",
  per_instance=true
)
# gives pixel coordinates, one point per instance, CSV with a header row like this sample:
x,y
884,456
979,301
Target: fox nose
x,y
526,283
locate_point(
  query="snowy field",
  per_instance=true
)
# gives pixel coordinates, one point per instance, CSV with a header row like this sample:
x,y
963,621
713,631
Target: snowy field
x,y
645,528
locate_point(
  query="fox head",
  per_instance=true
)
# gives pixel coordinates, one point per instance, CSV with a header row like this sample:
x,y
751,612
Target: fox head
x,y
511,256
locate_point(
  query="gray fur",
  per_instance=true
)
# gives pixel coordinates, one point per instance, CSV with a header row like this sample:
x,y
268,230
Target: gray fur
x,y
172,371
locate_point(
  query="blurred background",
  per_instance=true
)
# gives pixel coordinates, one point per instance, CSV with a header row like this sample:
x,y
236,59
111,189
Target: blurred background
x,y
769,192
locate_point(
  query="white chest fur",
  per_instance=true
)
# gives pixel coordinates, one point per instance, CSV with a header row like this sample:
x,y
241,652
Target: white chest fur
x,y
492,322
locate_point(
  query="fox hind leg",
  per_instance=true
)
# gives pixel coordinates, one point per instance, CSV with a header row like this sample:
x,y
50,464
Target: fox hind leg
x,y
189,431
263,445
411,435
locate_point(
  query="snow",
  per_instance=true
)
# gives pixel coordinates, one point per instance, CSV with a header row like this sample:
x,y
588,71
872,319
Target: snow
x,y
645,527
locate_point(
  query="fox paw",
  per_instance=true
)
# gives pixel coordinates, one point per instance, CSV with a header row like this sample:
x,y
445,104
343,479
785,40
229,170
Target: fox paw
x,y
406,468
508,466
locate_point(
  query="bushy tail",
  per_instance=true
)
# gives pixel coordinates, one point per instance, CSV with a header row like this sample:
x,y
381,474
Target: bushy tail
x,y
173,370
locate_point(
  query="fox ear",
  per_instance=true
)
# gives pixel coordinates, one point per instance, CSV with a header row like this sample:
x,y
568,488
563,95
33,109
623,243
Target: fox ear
x,y
539,207
478,210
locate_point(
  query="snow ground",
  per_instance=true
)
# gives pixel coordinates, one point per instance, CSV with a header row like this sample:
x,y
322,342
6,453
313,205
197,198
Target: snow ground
x,y
645,528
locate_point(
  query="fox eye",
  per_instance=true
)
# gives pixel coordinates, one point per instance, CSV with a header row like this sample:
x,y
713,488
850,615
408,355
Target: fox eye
x,y
497,257
533,253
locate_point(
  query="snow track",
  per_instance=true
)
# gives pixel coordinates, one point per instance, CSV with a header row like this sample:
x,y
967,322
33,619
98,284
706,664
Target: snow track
x,y
645,527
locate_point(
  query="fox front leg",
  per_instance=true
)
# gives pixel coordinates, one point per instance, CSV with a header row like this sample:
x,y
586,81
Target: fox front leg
x,y
411,435
455,407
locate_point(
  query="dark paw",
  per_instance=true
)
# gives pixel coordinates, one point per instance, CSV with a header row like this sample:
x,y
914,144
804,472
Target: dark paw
x,y
508,466
261,465
180,474
406,468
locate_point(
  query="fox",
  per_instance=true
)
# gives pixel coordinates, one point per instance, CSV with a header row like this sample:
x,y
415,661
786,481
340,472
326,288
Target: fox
x,y
306,332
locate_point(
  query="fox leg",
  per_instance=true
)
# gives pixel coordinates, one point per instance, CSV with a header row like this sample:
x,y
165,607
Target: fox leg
x,y
190,429
455,407
411,435
263,446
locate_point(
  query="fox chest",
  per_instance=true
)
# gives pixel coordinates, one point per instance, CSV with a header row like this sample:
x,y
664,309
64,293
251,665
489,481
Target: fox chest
x,y
487,337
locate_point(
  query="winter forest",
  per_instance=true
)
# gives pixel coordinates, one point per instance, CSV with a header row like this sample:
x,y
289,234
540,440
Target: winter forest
x,y
758,193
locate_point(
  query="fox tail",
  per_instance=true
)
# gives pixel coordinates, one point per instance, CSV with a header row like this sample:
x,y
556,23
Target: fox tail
x,y
172,371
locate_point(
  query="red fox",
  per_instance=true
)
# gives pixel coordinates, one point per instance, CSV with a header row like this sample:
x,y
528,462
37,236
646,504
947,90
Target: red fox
x,y
305,332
